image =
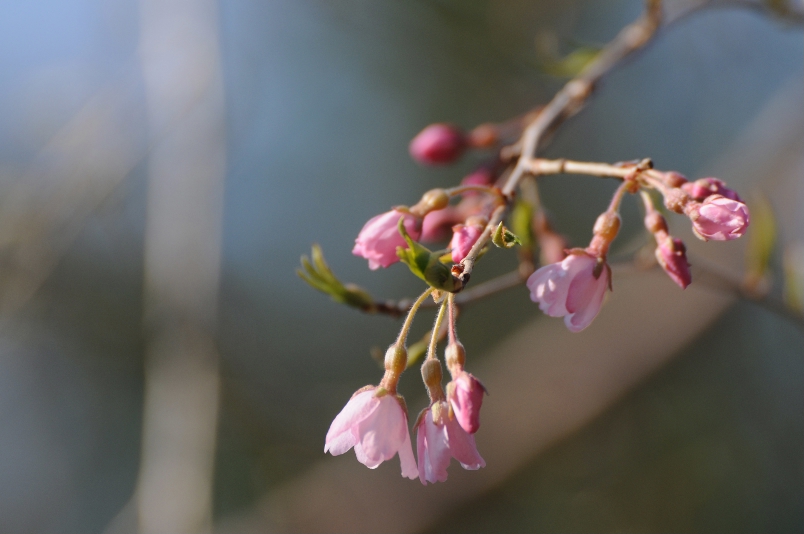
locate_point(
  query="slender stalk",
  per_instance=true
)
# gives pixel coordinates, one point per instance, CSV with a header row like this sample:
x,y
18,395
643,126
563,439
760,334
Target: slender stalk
x,y
453,337
403,333
431,350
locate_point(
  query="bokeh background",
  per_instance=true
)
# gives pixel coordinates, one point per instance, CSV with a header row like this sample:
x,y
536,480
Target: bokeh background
x,y
163,165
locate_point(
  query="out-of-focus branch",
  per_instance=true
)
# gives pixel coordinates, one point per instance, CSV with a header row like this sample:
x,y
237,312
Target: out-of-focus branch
x,y
184,93
567,102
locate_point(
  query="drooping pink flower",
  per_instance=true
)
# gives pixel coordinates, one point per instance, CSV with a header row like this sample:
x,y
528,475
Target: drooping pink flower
x,y
465,395
718,218
704,187
438,440
570,289
438,144
377,428
672,256
464,237
378,239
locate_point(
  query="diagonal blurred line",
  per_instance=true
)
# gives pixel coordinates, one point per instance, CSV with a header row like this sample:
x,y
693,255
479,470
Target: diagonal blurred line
x,y
43,211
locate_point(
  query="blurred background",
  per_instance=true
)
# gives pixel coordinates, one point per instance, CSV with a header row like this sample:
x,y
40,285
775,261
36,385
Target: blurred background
x,y
164,164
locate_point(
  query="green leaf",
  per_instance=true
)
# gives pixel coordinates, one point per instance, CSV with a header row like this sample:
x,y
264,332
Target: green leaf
x,y
521,222
426,264
318,274
761,237
504,238
794,276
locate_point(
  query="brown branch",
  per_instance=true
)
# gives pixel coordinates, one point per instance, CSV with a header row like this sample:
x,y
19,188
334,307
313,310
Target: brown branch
x,y
566,103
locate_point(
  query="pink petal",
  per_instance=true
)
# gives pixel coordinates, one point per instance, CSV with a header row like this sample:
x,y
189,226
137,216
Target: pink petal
x,y
582,318
358,408
463,448
406,459
383,431
437,450
548,289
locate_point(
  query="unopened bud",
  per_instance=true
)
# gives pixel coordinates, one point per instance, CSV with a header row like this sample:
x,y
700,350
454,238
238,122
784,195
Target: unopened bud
x,y
431,373
396,359
655,222
438,144
672,256
705,187
455,355
607,225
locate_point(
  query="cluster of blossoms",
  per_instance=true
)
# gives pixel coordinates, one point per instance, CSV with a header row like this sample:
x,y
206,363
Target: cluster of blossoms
x,y
375,420
572,283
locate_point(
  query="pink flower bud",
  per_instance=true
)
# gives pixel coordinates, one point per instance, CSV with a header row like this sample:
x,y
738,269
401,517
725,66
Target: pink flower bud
x,y
672,256
483,175
438,144
439,439
464,238
570,289
704,187
465,394
378,239
377,428
718,218
438,224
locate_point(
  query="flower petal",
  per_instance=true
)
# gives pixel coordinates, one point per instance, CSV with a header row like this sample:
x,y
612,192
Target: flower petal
x,y
358,408
463,448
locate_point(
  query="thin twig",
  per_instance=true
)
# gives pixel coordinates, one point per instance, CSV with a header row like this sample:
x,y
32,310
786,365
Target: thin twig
x,y
568,101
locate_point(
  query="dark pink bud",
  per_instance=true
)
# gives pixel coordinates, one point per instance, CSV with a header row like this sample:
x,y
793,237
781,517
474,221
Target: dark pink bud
x,y
484,175
705,187
438,224
466,397
380,236
438,144
464,237
718,218
672,256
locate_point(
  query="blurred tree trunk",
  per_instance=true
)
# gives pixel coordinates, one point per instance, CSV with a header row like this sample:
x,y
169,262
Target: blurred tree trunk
x,y
184,93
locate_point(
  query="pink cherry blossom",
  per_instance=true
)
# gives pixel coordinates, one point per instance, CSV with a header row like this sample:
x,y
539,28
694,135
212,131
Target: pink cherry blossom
x,y
465,394
377,428
463,238
569,289
439,440
704,187
438,144
378,239
718,218
672,256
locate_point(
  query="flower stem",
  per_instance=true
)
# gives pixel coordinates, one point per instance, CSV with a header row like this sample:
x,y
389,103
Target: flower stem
x,y
403,333
431,350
